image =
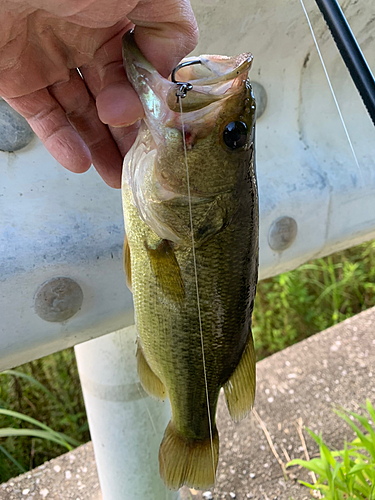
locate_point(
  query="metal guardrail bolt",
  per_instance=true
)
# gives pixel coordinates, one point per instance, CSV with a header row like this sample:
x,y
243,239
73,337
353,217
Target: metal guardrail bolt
x,y
58,299
282,233
260,95
15,132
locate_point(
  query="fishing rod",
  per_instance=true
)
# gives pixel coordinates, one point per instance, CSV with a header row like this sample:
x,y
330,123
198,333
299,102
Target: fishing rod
x,y
351,52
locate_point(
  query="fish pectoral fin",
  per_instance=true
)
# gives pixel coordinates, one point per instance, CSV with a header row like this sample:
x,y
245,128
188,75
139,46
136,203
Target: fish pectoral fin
x,y
215,219
188,461
240,388
150,382
127,263
167,270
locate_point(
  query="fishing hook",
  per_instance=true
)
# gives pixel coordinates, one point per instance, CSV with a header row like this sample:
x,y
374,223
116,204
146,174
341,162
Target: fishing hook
x,y
183,87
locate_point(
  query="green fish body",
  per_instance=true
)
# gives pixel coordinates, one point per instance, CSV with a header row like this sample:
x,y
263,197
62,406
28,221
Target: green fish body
x,y
192,267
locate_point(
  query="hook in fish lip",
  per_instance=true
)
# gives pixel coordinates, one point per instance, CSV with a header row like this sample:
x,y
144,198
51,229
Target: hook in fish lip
x,y
183,87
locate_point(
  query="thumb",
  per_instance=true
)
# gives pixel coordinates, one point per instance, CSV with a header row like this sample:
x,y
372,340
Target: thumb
x,y
165,31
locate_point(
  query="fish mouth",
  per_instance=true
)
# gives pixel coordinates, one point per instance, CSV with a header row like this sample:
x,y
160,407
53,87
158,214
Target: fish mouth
x,y
213,80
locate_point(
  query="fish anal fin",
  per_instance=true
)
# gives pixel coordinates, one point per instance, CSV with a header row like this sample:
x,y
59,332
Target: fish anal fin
x,y
240,388
150,382
188,461
127,263
167,270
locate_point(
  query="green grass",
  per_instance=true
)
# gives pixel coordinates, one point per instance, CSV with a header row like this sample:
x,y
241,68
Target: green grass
x,y
289,308
347,474
294,305
48,391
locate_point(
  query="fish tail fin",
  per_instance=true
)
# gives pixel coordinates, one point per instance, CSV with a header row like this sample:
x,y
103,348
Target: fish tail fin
x,y
240,388
188,461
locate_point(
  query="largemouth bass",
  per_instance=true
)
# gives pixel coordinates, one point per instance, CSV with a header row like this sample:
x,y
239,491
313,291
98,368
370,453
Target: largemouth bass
x,y
185,352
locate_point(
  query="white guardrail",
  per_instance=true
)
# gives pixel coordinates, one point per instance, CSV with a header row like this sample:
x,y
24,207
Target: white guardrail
x,y
66,230
61,234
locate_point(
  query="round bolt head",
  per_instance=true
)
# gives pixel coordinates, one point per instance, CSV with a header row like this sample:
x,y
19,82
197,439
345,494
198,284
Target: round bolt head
x,y
282,233
260,96
15,132
58,299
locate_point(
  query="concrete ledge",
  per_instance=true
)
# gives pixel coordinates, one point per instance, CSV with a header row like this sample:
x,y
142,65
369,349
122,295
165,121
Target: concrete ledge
x,y
334,367
70,476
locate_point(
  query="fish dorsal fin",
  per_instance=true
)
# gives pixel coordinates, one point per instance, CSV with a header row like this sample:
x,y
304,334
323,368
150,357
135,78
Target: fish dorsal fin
x,y
150,382
167,270
240,388
127,263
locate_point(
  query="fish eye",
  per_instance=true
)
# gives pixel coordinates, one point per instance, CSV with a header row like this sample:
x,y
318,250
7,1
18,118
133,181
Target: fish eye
x,y
235,135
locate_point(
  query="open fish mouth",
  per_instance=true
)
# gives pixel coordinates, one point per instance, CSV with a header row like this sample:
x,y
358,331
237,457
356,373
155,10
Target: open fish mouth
x,y
214,93
213,80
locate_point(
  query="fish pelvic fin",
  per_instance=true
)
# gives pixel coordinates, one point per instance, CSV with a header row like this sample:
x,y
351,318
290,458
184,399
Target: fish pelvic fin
x,y
167,270
150,382
127,263
240,388
188,461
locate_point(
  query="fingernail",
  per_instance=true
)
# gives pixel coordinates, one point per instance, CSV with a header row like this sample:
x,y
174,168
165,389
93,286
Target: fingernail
x,y
127,124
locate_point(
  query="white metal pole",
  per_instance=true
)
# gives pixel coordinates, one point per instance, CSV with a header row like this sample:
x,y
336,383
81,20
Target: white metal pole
x,y
126,425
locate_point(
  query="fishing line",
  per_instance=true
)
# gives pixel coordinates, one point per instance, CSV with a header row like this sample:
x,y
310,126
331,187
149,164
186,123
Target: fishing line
x,y
196,283
331,87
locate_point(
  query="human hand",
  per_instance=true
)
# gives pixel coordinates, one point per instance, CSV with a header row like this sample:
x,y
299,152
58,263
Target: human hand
x,y
93,118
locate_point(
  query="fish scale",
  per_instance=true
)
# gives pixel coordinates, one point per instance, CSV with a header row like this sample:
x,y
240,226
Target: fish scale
x,y
159,259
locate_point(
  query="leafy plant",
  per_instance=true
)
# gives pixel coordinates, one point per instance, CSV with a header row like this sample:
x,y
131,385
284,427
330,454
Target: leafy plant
x,y
42,413
348,474
294,305
45,433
